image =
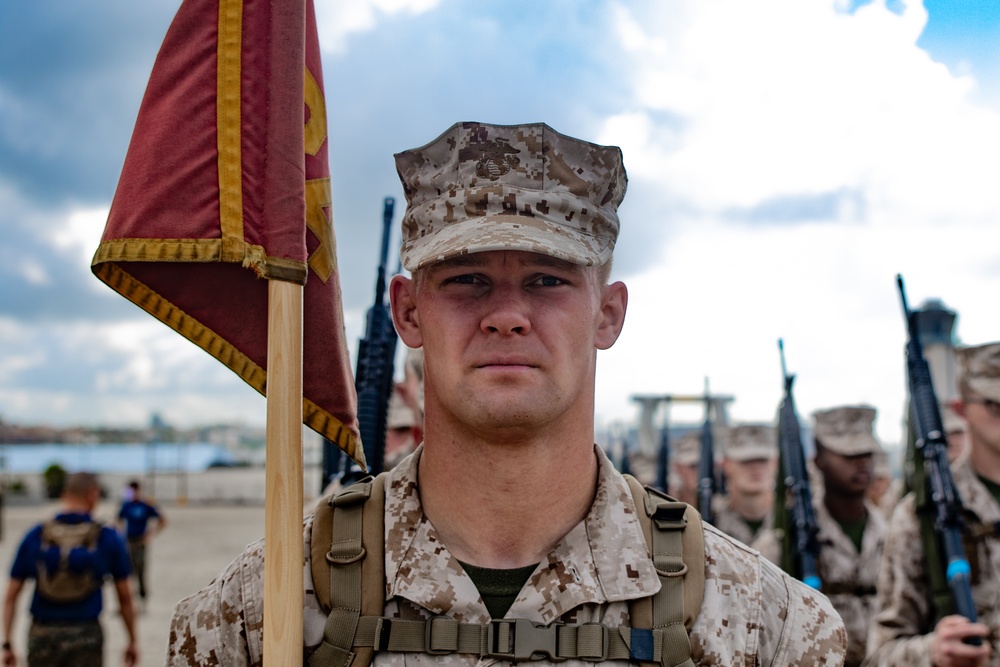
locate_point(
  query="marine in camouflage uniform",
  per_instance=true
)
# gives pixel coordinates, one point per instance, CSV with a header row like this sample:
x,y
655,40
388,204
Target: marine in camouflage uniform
x,y
502,225
905,631
749,462
684,456
845,446
588,577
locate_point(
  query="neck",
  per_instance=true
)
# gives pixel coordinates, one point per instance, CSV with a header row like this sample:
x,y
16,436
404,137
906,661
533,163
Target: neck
x,y
75,506
753,506
844,507
505,504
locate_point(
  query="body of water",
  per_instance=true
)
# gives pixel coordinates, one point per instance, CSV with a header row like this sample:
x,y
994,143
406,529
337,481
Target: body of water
x,y
161,457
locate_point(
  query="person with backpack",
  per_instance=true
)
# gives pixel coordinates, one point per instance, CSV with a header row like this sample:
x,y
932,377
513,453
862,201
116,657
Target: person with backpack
x,y
69,557
508,535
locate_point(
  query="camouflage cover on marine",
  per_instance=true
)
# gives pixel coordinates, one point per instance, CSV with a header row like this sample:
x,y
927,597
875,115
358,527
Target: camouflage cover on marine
x,y
538,190
903,621
750,607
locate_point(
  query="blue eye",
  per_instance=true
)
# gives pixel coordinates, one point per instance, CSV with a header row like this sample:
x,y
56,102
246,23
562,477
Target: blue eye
x,y
550,281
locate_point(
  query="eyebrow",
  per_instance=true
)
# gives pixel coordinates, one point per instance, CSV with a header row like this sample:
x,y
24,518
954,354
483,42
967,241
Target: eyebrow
x,y
475,260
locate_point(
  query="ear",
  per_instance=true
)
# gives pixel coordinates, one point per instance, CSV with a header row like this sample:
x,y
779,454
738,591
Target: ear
x,y
402,297
614,302
958,407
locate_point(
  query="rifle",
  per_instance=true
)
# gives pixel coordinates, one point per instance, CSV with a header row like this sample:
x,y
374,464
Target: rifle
x,y
706,463
373,379
941,496
663,457
800,546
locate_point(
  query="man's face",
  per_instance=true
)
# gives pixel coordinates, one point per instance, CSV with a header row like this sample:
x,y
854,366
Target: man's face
x,y
509,337
848,475
982,418
750,477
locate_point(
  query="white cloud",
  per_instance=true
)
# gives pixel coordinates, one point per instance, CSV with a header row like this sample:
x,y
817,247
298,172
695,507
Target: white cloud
x,y
336,21
795,99
81,232
790,96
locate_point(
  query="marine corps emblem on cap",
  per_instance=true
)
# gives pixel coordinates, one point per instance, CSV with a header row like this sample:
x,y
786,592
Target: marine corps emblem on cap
x,y
846,430
482,187
979,369
749,442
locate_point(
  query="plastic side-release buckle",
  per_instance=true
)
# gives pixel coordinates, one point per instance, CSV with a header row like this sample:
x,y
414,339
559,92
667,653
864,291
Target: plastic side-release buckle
x,y
519,639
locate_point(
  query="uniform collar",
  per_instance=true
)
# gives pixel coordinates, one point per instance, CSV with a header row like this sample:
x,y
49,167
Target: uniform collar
x,y
603,558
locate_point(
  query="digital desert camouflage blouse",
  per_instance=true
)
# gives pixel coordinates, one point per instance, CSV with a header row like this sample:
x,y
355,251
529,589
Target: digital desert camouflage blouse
x,y
752,612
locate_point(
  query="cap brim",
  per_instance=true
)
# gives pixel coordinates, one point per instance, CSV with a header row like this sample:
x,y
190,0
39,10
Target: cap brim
x,y
851,445
507,232
753,454
986,387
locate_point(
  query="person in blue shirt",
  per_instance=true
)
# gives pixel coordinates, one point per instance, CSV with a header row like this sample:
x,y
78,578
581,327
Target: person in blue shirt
x,y
135,516
69,557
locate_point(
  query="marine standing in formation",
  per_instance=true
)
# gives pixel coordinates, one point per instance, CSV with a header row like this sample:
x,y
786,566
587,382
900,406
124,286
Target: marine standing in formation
x,y
749,462
851,529
684,457
509,510
908,630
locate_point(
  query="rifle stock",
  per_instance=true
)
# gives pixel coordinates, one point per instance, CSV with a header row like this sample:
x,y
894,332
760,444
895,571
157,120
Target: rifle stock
x,y
932,449
800,547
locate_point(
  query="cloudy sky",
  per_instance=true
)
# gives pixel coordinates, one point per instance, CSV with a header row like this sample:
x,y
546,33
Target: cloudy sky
x,y
786,159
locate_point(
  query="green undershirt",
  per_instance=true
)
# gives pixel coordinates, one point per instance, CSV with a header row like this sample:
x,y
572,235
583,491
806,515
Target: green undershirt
x,y
855,530
992,487
754,525
498,588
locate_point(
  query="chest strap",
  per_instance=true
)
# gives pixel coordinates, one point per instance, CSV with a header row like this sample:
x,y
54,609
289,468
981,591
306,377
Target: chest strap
x,y
978,530
354,629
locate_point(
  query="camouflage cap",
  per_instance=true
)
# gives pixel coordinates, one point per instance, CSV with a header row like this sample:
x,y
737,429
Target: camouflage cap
x,y
748,442
979,369
482,187
398,413
846,430
687,449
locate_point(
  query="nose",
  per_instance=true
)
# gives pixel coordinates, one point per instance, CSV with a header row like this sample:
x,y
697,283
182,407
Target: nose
x,y
506,311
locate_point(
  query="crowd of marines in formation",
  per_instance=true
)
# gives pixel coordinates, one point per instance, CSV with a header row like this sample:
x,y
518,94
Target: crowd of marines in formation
x,y
871,562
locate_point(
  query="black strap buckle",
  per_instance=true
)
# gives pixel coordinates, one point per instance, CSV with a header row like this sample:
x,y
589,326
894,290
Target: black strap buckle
x,y
519,639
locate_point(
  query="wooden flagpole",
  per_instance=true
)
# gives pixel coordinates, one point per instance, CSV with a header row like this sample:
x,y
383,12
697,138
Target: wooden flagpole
x,y
283,548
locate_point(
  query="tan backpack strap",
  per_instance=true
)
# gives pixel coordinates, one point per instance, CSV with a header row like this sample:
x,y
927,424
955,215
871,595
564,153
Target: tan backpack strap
x,y
675,538
355,583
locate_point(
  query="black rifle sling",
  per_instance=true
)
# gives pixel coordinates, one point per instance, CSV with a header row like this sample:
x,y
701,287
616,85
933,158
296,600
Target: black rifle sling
x,y
350,584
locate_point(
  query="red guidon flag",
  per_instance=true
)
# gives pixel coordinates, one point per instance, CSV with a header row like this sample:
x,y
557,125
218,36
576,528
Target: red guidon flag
x,y
227,185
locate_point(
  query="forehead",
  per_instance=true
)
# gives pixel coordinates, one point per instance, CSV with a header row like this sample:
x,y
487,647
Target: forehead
x,y
505,259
